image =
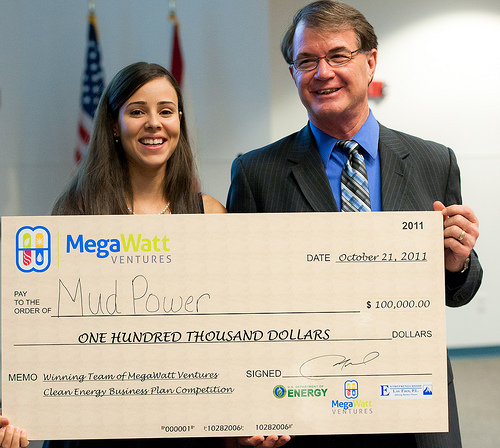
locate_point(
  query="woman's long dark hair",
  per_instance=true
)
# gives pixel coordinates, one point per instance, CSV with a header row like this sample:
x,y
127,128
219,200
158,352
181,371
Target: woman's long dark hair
x,y
102,184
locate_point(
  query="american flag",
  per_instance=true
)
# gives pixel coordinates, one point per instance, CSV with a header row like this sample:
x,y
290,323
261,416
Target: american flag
x,y
93,85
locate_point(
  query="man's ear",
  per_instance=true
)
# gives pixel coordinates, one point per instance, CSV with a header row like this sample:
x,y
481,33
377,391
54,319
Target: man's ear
x,y
372,63
292,73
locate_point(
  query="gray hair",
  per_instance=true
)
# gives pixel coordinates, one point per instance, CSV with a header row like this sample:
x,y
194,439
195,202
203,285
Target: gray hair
x,y
327,15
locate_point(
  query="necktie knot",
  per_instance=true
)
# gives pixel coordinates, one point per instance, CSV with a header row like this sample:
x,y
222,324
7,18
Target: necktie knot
x,y
350,145
354,180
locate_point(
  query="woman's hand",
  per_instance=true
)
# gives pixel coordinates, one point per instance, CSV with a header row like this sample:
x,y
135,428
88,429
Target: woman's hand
x,y
11,436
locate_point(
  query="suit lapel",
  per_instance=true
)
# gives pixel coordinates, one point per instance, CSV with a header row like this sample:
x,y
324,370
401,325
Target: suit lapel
x,y
310,174
394,171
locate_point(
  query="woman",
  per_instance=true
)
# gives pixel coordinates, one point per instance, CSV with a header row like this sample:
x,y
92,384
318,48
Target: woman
x,y
139,159
139,162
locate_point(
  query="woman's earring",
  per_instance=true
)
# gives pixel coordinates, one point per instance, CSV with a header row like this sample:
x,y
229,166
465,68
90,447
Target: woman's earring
x,y
115,135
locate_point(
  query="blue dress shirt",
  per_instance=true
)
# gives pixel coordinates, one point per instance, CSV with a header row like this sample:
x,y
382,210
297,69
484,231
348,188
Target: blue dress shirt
x,y
334,159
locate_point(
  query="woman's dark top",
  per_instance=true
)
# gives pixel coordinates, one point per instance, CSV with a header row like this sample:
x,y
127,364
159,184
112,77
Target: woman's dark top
x,y
201,442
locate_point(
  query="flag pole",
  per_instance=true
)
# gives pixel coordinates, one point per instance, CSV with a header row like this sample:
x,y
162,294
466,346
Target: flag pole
x,y
172,9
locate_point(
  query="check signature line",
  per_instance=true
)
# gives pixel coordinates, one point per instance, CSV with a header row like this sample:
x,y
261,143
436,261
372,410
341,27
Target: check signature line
x,y
358,375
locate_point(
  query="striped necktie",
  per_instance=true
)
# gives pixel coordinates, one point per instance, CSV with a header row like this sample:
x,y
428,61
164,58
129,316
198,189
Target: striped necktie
x,y
354,181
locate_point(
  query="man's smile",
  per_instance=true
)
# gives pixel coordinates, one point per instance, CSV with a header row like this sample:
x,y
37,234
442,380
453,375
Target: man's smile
x,y
327,91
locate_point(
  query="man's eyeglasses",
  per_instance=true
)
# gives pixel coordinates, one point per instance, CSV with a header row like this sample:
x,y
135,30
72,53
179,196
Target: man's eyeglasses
x,y
333,59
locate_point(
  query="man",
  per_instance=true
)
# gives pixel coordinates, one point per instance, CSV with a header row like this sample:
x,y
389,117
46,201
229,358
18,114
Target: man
x,y
332,53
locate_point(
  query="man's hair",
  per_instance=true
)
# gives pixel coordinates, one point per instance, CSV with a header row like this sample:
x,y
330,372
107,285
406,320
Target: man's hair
x,y
327,15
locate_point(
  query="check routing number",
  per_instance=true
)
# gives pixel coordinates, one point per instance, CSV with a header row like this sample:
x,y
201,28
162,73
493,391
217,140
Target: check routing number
x,y
217,325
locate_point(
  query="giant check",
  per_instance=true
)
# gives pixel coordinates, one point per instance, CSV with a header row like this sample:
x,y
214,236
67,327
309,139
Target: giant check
x,y
212,325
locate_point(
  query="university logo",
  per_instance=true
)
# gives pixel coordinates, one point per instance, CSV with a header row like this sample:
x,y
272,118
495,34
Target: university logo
x,y
33,249
351,389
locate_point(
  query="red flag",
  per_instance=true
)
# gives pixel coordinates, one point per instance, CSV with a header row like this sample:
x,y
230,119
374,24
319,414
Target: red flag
x,y
177,63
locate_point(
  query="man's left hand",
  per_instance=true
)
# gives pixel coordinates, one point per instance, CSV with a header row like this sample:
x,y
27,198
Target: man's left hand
x,y
273,441
461,230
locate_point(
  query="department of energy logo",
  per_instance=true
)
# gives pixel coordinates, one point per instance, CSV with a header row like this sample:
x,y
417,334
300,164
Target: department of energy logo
x,y
33,249
279,391
299,391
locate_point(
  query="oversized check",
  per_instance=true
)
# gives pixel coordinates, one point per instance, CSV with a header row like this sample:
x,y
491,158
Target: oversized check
x,y
212,325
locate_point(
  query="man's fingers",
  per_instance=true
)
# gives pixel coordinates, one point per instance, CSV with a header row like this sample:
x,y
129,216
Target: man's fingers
x,y
272,441
251,441
460,210
438,206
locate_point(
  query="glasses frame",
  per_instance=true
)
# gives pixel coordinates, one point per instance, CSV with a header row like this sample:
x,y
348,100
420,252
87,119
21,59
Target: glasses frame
x,y
318,58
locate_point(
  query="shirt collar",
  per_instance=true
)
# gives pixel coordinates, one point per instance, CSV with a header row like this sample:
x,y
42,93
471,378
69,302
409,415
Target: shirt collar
x,y
367,137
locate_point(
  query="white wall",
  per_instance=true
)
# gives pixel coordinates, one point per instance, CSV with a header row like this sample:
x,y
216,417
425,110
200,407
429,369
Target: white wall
x,y
439,58
451,98
441,63
42,52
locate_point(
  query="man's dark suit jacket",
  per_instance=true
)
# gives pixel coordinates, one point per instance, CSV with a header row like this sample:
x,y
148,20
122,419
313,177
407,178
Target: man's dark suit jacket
x,y
289,176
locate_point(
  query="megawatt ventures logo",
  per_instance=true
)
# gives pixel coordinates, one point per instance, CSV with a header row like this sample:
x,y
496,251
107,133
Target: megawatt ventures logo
x,y
353,405
33,249
123,248
351,389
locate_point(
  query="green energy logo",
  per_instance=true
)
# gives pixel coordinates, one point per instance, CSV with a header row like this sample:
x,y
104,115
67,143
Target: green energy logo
x,y
279,391
299,392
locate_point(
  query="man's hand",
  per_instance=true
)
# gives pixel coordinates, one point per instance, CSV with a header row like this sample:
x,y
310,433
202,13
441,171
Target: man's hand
x,y
461,230
264,442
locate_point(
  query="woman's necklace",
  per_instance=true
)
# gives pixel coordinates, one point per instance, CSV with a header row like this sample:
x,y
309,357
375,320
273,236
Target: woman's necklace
x,y
161,213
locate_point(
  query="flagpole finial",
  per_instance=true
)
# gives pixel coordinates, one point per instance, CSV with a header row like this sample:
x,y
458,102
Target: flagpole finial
x,y
172,7
92,6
